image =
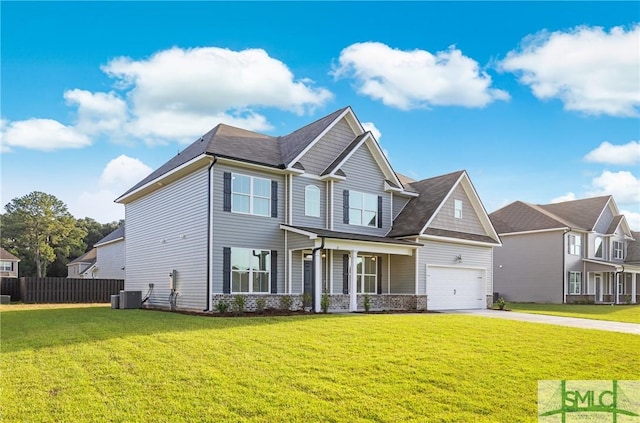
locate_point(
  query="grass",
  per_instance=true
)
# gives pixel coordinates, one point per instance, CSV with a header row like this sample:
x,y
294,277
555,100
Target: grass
x,y
97,364
617,313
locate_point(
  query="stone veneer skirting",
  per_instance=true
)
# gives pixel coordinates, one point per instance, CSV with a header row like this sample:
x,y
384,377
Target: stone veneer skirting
x,y
338,302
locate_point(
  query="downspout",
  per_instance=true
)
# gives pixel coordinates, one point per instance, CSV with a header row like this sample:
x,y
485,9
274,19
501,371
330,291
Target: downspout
x,y
209,233
564,266
313,274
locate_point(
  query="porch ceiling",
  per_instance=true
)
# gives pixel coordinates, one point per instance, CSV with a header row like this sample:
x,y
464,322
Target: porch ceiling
x,y
605,266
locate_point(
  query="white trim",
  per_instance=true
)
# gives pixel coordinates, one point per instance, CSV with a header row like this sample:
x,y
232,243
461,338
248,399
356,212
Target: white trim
x,y
388,187
311,235
536,231
289,270
353,281
369,247
210,241
253,166
459,241
159,181
332,207
388,273
322,134
109,242
416,272
290,204
330,257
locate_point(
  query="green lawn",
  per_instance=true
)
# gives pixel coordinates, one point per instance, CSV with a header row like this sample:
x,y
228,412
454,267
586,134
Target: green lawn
x,y
97,364
617,313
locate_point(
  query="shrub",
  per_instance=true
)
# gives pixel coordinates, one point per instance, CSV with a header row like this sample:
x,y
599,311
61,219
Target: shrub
x,y
306,300
222,307
261,304
501,303
238,304
286,302
367,303
325,302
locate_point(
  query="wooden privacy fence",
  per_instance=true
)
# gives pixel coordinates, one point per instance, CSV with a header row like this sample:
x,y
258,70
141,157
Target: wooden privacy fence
x,y
11,287
67,290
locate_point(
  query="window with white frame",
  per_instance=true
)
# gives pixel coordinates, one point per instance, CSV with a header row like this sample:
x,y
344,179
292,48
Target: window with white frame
x,y
575,283
367,274
457,209
575,245
250,270
598,247
363,209
251,195
6,266
618,250
312,201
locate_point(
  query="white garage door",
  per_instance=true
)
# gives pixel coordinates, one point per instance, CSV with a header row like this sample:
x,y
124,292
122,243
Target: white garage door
x,y
453,288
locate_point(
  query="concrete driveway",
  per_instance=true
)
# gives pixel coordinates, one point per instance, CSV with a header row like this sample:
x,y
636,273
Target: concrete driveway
x,y
574,322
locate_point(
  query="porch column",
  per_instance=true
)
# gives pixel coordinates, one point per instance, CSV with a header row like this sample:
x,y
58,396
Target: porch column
x,y
353,282
317,272
634,289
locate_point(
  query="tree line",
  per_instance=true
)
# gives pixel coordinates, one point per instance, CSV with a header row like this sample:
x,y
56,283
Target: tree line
x,y
40,231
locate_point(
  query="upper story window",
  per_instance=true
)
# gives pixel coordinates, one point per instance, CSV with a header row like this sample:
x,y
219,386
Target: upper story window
x,y
250,270
6,266
598,248
618,250
575,245
251,195
312,201
363,209
457,209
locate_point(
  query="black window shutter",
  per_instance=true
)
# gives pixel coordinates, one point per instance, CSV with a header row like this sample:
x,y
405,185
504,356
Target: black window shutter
x,y
274,271
379,275
226,205
345,274
345,206
379,211
226,270
274,198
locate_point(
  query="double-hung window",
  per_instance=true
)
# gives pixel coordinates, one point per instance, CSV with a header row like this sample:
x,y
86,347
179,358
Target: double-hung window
x,y
575,245
6,266
251,195
312,201
363,209
367,274
575,283
457,209
250,270
618,250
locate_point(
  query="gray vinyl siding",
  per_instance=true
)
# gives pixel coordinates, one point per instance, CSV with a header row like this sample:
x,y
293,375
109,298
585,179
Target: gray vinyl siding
x,y
403,270
110,261
605,220
299,218
296,272
529,267
237,230
445,219
328,148
363,175
297,242
167,230
398,204
445,253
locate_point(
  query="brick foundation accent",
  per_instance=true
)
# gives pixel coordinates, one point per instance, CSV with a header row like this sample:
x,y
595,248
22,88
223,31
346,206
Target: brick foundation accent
x,y
340,302
489,301
272,301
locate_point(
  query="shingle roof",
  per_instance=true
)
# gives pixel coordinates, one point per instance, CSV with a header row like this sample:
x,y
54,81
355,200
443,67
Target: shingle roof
x,y
117,233
5,255
355,237
353,144
248,146
459,235
88,257
614,224
633,249
406,182
522,217
419,210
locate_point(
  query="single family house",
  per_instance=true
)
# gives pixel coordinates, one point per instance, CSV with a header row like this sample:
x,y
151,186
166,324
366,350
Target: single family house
x,y
573,251
319,211
104,261
8,264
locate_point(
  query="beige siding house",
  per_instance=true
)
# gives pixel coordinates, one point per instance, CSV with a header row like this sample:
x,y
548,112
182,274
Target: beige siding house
x,y
8,264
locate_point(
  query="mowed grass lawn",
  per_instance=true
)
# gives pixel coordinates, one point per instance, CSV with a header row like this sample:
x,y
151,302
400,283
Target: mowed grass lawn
x,y
97,364
616,313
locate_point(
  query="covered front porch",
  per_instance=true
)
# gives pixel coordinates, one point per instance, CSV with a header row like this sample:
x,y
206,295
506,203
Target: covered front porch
x,y
609,283
319,264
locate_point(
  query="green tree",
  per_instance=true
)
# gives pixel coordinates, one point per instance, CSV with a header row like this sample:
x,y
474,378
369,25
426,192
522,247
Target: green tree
x,y
95,232
38,228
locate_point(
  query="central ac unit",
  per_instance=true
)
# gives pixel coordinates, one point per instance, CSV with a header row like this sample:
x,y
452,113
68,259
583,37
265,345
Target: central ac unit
x,y
130,299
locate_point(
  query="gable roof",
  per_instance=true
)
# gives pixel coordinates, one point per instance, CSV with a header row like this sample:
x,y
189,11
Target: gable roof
x,y
7,256
334,166
633,249
577,214
115,235
88,257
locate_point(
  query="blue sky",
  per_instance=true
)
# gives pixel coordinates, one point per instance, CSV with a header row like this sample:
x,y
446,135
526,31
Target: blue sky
x,y
539,102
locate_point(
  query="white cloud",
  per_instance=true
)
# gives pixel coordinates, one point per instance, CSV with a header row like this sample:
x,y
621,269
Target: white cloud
x,y
41,134
123,172
570,196
98,112
626,154
194,89
633,219
588,69
369,126
415,79
98,205
623,185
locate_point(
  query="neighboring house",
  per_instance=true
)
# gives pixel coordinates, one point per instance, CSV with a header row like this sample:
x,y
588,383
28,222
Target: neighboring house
x,y
104,261
8,264
318,211
574,251
79,267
